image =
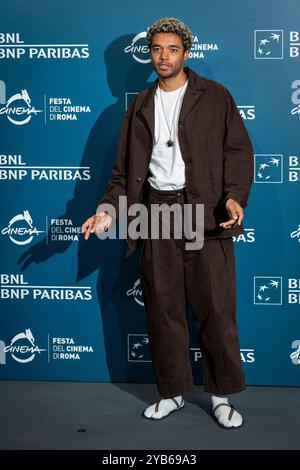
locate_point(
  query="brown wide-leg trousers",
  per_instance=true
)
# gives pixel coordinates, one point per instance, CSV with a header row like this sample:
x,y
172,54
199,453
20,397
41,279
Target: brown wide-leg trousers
x,y
171,277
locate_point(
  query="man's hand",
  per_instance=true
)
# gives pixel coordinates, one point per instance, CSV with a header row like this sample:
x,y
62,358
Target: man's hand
x,y
97,223
235,212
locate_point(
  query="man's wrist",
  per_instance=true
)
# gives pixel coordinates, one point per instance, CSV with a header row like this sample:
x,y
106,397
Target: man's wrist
x,y
234,197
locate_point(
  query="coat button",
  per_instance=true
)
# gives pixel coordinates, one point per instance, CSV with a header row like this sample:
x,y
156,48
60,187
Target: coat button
x,y
138,179
181,125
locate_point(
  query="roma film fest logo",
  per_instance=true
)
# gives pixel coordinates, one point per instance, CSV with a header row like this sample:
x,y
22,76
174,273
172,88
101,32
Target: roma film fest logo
x,y
140,51
296,233
295,98
18,108
66,349
136,293
20,229
22,348
295,355
139,48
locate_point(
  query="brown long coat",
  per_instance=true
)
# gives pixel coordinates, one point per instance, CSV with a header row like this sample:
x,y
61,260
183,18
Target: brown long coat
x,y
214,144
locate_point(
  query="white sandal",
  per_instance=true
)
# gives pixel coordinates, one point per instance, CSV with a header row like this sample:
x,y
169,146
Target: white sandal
x,y
232,410
178,407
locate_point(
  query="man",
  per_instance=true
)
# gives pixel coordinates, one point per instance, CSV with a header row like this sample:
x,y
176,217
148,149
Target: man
x,y
183,141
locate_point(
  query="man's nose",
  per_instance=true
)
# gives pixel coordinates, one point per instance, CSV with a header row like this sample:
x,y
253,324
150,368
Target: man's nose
x,y
163,55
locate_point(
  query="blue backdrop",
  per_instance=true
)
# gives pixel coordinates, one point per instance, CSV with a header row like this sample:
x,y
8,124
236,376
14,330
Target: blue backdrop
x,y
71,309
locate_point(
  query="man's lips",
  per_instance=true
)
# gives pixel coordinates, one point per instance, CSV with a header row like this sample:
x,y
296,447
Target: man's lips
x,y
163,65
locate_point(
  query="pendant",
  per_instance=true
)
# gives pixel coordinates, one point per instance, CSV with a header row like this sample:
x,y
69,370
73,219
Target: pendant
x,y
170,143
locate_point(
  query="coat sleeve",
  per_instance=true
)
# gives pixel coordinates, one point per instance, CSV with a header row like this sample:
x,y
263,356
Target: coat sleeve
x,y
238,159
117,185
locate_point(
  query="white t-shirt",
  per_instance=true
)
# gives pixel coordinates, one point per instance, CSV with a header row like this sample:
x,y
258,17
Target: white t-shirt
x,y
167,168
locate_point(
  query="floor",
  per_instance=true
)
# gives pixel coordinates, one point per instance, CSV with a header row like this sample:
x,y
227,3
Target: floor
x,y
81,415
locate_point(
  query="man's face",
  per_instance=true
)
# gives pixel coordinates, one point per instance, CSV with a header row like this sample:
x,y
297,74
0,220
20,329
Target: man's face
x,y
167,54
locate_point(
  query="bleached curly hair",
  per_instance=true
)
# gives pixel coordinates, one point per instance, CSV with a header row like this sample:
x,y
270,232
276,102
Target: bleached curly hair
x,y
171,25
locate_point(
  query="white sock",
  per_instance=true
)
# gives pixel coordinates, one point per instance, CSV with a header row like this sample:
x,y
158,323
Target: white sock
x,y
166,405
223,411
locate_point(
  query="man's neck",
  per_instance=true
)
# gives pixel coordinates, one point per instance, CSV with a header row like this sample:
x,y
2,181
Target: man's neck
x,y
173,83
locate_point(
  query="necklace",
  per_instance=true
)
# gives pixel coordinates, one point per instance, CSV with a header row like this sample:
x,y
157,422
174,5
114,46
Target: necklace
x,y
170,141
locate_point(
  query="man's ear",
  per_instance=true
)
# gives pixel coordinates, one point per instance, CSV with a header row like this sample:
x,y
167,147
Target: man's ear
x,y
186,54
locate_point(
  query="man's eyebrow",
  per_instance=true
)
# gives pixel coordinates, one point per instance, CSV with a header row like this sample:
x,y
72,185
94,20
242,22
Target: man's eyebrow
x,y
170,45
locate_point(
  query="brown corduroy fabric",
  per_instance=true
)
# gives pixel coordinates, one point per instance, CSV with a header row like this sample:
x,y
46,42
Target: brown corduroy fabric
x,y
171,277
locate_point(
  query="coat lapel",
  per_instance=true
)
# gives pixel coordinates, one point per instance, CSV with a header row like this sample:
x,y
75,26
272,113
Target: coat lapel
x,y
147,110
191,96
195,89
